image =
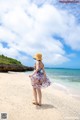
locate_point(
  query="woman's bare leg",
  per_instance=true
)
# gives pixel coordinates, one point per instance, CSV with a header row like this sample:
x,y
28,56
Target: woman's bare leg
x,y
35,95
39,95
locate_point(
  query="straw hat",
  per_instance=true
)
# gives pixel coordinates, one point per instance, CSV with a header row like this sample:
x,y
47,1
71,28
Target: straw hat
x,y
38,56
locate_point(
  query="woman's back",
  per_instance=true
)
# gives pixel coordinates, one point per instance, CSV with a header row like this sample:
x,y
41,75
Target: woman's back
x,y
39,65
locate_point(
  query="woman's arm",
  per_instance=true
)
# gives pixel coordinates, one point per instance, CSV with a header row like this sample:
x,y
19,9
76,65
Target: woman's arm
x,y
36,70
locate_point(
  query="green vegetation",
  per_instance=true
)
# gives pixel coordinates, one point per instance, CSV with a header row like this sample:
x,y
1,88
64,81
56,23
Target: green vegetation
x,y
7,60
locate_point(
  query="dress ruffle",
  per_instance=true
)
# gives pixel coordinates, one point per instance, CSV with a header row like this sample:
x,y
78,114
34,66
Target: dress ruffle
x,y
38,80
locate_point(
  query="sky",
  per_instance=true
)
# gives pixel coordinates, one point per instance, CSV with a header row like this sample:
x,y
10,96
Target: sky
x,y
46,26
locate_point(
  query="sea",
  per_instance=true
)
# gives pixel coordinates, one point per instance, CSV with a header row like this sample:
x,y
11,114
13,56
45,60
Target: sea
x,y
65,79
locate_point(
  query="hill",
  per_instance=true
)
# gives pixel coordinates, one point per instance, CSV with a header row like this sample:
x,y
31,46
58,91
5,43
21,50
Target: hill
x,y
7,60
10,64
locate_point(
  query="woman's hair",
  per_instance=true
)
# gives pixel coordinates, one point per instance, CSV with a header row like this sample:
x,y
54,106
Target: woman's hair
x,y
39,60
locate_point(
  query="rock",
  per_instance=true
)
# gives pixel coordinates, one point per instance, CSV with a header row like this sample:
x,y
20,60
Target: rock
x,y
15,68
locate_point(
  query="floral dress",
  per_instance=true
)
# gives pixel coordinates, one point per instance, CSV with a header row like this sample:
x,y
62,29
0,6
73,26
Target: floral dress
x,y
38,80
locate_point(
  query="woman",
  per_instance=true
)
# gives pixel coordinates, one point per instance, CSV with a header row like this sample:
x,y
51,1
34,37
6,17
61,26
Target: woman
x,y
38,79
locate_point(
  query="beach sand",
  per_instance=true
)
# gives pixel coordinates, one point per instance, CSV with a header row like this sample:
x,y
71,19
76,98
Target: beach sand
x,y
16,100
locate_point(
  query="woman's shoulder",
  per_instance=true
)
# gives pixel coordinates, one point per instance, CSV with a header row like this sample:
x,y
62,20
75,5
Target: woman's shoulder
x,y
39,62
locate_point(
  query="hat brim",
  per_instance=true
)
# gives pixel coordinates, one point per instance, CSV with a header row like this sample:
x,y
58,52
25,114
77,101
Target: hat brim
x,y
37,58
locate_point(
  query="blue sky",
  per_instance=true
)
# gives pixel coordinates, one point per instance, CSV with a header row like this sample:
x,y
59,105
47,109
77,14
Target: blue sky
x,y
47,26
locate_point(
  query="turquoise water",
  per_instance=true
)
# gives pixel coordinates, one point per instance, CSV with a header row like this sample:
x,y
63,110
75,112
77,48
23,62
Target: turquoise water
x,y
66,78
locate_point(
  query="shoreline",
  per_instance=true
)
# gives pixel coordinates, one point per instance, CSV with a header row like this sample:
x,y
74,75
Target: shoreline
x,y
16,100
63,87
67,90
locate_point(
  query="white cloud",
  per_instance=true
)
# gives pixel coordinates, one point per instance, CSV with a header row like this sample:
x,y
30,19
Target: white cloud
x,y
11,52
55,59
29,29
73,38
6,35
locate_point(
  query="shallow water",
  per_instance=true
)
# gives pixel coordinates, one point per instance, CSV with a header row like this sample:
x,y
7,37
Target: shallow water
x,y
65,79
